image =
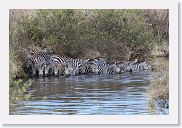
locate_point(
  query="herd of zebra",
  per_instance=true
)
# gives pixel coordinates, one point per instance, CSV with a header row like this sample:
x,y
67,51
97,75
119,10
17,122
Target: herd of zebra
x,y
46,63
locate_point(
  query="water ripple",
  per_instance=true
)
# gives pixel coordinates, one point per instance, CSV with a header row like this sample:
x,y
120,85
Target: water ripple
x,y
123,94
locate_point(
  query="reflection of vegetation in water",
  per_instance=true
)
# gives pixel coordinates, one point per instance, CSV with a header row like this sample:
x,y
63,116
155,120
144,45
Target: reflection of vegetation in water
x,y
159,87
18,90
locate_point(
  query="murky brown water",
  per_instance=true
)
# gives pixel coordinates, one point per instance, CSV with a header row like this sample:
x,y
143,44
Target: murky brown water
x,y
121,94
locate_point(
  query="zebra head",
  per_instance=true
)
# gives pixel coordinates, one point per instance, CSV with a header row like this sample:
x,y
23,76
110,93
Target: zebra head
x,y
73,66
94,68
68,70
113,68
124,67
116,68
59,69
84,67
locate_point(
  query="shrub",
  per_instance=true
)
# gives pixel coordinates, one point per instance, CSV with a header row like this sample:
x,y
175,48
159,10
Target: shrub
x,y
18,91
72,32
114,34
159,22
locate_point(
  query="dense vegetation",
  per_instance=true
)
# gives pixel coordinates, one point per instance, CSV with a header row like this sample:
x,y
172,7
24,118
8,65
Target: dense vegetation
x,y
114,34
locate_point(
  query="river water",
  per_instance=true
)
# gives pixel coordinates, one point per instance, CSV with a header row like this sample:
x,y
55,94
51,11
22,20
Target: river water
x,y
120,94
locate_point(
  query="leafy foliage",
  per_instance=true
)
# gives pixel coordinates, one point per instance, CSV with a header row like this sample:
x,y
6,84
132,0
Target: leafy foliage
x,y
114,34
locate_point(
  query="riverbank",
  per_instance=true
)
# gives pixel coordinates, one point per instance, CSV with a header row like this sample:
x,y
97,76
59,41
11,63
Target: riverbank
x,y
159,85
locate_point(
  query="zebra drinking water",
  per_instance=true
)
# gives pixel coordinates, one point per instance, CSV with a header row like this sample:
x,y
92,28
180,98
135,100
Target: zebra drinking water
x,y
74,66
55,65
35,61
133,66
113,69
45,63
140,66
100,66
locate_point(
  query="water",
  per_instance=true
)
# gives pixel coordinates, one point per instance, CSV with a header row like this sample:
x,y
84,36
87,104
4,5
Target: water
x,y
120,94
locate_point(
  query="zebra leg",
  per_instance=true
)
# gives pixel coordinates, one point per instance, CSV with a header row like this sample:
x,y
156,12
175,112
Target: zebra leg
x,y
40,69
128,68
61,69
41,72
34,71
67,72
56,71
46,70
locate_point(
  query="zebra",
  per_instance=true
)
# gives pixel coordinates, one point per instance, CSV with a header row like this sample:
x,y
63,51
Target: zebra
x,y
98,66
74,66
55,65
46,63
36,61
124,67
140,66
113,69
133,66
85,68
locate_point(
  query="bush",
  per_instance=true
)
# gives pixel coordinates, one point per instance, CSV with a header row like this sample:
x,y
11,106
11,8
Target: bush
x,y
114,34
18,91
159,22
72,32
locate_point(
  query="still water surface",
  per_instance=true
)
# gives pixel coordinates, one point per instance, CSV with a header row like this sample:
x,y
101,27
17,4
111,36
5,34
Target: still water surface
x,y
121,94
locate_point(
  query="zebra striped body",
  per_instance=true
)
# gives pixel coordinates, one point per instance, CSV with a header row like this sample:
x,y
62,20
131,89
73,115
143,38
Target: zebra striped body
x,y
140,66
133,66
73,66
